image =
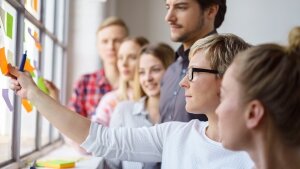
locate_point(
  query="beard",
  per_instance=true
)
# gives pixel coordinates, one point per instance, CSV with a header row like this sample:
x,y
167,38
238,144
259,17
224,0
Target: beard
x,y
190,33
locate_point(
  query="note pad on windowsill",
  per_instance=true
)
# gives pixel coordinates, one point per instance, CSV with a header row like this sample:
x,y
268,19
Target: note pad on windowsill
x,y
56,164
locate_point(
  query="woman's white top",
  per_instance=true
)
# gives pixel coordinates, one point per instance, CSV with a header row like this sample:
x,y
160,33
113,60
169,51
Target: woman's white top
x,y
177,145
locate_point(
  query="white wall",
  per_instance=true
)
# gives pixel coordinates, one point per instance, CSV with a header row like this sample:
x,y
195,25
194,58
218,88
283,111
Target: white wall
x,y
256,21
84,18
261,21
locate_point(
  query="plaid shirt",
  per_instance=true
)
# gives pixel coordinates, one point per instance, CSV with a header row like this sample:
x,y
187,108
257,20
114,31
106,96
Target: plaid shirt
x,y
88,92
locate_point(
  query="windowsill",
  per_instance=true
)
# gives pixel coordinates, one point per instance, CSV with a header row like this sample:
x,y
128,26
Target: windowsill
x,y
66,152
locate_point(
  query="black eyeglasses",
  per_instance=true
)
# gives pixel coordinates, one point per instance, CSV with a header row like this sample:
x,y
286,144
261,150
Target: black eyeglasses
x,y
191,70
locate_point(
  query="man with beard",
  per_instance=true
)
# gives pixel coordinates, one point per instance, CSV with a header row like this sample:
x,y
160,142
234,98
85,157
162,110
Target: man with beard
x,y
189,21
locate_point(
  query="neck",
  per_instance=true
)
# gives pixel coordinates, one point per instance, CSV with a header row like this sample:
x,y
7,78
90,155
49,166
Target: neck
x,y
112,75
152,104
273,154
212,129
201,34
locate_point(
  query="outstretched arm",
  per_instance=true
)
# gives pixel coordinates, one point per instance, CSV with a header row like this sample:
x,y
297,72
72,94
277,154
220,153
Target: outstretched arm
x,y
69,123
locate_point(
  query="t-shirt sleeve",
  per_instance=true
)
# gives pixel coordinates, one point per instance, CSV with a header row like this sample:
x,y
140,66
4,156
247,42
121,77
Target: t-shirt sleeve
x,y
132,144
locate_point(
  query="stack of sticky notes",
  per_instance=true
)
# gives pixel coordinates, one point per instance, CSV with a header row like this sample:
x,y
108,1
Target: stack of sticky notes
x,y
56,164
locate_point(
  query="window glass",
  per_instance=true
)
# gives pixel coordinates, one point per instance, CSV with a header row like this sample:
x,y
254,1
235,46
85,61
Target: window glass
x,y
60,19
33,7
8,18
47,74
28,112
49,14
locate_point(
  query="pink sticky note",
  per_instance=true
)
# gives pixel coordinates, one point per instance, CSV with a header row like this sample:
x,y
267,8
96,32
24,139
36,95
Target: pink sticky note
x,y
6,99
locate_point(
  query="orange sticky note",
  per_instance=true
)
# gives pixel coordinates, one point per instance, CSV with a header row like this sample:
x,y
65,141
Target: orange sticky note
x,y
28,66
35,5
27,105
3,61
38,46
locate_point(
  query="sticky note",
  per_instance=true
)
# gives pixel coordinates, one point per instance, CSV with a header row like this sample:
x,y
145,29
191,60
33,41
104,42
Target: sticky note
x,y
3,61
6,99
38,46
35,5
28,67
9,25
42,86
56,164
27,105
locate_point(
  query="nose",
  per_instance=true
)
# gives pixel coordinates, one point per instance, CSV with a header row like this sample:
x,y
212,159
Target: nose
x,y
184,83
111,44
149,76
170,17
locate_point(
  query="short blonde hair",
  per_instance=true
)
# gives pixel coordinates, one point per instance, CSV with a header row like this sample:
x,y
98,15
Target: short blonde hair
x,y
111,21
220,50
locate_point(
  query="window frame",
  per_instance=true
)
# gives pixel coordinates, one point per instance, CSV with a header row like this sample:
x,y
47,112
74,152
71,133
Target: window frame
x,y
16,160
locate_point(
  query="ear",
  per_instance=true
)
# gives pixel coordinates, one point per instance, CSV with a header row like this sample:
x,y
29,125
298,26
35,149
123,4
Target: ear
x,y
254,113
212,11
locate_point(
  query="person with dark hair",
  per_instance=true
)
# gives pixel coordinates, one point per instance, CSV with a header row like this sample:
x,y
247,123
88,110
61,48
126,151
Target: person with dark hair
x,y
189,21
176,145
90,88
260,105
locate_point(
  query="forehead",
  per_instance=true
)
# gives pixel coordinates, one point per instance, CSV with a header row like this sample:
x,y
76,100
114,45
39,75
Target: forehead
x,y
112,31
229,76
148,60
129,45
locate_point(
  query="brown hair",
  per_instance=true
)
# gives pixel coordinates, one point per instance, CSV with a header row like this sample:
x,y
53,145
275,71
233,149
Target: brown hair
x,y
162,52
112,21
271,74
220,50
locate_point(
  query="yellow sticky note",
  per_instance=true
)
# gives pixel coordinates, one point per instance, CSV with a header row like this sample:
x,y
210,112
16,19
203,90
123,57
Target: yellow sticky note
x,y
27,105
56,164
3,61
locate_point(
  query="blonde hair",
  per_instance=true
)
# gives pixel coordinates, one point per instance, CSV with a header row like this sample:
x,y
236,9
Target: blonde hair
x,y
294,39
220,50
162,52
112,21
270,73
123,85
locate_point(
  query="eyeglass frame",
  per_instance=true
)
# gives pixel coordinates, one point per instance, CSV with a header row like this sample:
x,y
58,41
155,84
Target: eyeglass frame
x,y
191,70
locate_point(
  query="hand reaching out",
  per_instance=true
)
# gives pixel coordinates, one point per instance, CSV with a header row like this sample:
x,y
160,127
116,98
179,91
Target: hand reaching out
x,y
23,85
53,90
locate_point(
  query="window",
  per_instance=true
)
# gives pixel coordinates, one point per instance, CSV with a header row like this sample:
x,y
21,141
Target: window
x,y
38,31
8,17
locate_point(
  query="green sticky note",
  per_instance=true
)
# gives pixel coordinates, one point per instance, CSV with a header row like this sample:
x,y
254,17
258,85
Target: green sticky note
x,y
9,25
42,86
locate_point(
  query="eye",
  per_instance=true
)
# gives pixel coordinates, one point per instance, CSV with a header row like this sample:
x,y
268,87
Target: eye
x,y
141,72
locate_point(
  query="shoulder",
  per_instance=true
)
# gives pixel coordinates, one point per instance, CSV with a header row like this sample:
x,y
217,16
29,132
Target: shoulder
x,y
110,95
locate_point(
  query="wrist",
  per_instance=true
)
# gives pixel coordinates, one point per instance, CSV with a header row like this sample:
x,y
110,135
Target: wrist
x,y
33,93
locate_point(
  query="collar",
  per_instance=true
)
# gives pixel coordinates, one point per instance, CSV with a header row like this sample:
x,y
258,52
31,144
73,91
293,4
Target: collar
x,y
184,54
139,107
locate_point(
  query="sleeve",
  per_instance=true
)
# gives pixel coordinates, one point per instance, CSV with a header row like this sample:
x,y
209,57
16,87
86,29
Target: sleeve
x,y
76,102
132,144
104,109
